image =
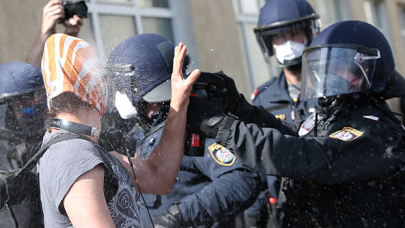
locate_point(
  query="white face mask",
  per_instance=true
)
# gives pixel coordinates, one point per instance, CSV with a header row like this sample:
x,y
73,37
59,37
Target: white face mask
x,y
124,106
289,50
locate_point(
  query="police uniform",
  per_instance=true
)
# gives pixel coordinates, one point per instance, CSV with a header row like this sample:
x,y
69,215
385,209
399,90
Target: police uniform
x,y
209,190
344,168
20,139
273,96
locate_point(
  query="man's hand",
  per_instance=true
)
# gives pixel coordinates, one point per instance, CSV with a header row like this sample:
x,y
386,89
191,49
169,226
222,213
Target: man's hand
x,y
51,13
181,87
170,219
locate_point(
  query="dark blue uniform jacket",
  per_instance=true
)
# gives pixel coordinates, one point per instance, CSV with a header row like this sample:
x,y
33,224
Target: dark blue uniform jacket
x,y
273,96
209,190
346,168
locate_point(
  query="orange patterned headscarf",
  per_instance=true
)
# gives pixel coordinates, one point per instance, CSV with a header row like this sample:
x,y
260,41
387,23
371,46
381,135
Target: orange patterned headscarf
x,y
70,64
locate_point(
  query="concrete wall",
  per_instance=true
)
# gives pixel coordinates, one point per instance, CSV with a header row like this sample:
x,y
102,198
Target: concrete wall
x,y
217,39
20,22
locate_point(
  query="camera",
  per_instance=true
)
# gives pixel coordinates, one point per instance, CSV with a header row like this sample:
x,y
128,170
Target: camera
x,y
74,8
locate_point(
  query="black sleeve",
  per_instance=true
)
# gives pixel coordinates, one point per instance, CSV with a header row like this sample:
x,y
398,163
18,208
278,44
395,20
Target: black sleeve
x,y
258,115
377,150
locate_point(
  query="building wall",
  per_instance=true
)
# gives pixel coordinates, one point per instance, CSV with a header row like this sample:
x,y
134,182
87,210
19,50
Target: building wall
x,y
20,22
218,41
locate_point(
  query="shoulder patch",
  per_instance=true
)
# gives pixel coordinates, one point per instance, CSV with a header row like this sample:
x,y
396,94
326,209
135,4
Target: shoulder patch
x,y
308,124
375,118
221,155
347,134
281,116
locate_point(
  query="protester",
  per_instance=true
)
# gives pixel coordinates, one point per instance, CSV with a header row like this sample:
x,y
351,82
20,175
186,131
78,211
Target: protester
x,y
344,161
80,183
53,12
205,193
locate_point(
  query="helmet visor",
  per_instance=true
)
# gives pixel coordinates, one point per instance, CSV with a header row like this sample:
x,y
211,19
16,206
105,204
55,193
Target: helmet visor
x,y
269,37
333,70
121,78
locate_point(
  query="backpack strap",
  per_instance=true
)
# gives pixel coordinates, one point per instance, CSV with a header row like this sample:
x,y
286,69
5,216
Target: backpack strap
x,y
108,176
33,160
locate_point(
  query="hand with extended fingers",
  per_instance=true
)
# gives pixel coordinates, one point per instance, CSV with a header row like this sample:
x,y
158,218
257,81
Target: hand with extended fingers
x,y
181,87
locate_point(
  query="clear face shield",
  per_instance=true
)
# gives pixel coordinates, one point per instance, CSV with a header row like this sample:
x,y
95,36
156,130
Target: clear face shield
x,y
286,42
329,70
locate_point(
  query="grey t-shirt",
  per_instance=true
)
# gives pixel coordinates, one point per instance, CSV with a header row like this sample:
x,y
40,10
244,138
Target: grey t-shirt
x,y
60,167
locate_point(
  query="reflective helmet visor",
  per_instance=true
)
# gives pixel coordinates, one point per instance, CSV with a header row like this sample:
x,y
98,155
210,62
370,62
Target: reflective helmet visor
x,y
329,70
278,33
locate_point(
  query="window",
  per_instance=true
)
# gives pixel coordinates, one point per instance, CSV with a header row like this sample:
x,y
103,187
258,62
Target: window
x,y
111,21
247,14
332,11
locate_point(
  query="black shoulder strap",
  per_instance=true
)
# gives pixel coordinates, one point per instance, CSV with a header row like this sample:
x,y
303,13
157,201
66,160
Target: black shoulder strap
x,y
33,160
109,193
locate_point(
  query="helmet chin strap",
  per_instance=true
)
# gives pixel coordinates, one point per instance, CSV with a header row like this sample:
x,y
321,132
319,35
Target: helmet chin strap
x,y
74,127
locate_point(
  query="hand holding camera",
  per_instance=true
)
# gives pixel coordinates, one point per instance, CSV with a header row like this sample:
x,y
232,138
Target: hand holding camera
x,y
66,12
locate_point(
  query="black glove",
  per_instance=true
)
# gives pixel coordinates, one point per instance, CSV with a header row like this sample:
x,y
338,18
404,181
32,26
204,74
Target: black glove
x,y
230,98
204,117
170,219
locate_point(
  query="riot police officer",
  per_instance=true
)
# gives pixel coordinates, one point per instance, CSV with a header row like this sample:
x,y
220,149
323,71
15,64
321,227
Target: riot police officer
x,y
284,29
345,161
22,124
205,193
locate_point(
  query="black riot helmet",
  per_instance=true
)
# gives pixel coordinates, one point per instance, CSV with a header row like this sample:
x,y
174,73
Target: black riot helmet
x,y
22,101
285,28
347,57
142,66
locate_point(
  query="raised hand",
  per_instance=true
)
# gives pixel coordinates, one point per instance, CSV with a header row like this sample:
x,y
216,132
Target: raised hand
x,y
51,13
181,87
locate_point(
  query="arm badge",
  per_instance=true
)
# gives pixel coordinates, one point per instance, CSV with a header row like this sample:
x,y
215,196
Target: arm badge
x,y
347,134
221,155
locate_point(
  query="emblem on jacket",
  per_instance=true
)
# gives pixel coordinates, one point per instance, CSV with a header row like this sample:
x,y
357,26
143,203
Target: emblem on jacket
x,y
221,155
347,134
308,124
281,116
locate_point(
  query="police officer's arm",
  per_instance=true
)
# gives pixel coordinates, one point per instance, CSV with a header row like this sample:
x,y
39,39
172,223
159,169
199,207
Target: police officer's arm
x,y
156,174
329,160
257,114
233,189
